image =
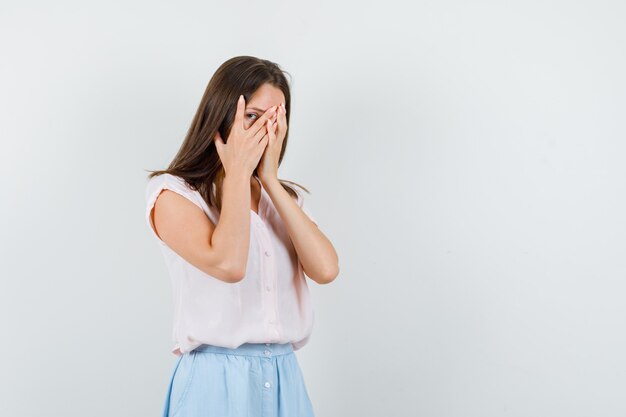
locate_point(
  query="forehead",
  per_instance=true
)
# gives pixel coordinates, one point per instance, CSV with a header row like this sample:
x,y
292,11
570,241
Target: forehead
x,y
266,96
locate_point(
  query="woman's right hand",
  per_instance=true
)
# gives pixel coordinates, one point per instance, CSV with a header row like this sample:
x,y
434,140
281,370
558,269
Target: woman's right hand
x,y
244,147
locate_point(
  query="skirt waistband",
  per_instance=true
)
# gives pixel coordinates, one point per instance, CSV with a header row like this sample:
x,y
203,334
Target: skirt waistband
x,y
248,349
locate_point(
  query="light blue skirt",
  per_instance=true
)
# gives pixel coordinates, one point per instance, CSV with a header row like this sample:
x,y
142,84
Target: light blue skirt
x,y
253,380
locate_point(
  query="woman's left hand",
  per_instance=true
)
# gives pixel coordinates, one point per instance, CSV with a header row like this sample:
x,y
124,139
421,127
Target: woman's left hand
x,y
268,165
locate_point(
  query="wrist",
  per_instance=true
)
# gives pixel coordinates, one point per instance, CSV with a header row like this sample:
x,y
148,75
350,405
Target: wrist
x,y
269,183
237,178
267,178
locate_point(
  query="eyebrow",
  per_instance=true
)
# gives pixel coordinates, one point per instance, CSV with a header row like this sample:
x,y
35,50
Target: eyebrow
x,y
257,109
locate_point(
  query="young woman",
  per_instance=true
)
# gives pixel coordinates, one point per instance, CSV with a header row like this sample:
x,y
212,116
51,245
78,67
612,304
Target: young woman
x,y
237,242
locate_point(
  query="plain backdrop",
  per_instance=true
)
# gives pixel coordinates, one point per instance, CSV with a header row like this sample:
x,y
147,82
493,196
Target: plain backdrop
x,y
466,159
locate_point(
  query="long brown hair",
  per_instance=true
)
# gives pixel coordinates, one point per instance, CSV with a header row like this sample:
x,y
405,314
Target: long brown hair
x,y
197,160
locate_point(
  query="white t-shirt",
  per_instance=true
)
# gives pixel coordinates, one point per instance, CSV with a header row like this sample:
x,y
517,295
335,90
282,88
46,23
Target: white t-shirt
x,y
271,304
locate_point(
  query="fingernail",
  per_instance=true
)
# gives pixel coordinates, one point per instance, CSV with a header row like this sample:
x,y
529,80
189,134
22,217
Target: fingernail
x,y
240,97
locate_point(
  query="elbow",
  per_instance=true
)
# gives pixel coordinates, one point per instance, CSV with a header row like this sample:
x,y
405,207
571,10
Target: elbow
x,y
226,271
329,275
237,276
234,274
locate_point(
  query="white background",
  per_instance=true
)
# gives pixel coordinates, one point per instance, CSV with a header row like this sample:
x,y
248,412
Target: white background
x,y
466,158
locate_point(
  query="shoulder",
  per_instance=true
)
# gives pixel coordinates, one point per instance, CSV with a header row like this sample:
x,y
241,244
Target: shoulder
x,y
162,179
170,182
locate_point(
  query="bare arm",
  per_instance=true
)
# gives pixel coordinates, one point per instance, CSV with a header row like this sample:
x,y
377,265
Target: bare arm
x,y
315,252
219,250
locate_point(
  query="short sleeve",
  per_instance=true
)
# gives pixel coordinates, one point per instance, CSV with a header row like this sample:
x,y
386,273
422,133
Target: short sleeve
x,y
166,182
305,209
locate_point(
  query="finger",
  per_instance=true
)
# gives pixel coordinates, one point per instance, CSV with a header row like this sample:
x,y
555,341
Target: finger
x,y
263,144
260,122
280,120
276,128
260,133
271,131
282,116
241,107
